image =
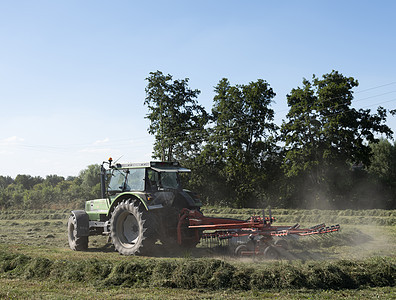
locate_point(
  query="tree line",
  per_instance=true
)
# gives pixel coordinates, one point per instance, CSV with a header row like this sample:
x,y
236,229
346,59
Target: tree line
x,y
53,191
326,154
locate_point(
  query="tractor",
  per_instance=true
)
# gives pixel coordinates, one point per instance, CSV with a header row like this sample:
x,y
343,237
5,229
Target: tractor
x,y
140,205
143,203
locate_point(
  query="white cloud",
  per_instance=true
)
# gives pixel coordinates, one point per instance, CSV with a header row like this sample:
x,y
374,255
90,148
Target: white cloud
x,y
104,141
12,140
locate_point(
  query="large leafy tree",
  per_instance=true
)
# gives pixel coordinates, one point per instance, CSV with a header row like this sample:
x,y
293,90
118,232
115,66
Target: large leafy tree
x,y
243,119
383,163
241,138
177,120
382,173
323,132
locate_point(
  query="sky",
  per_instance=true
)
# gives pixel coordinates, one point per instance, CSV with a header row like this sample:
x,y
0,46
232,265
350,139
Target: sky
x,y
72,73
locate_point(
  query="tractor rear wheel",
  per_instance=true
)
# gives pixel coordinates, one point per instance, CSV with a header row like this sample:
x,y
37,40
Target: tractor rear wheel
x,y
189,237
76,243
130,229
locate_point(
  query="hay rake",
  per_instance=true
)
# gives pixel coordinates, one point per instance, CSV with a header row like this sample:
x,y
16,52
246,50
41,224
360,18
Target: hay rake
x,y
254,236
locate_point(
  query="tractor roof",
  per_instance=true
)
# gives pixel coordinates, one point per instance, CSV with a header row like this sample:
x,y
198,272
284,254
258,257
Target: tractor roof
x,y
159,166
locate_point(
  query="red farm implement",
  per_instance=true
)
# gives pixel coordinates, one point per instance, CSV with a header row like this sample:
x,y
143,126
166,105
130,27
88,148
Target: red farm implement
x,y
251,237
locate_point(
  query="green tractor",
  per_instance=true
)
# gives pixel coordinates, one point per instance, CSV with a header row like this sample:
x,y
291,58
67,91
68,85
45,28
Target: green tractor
x,y
140,206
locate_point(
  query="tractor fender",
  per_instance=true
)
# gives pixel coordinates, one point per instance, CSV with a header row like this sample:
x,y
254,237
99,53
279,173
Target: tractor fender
x,y
187,198
124,196
82,222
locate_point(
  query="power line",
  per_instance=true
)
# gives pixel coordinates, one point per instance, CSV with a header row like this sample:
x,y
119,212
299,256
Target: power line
x,y
376,87
116,143
379,103
120,143
357,100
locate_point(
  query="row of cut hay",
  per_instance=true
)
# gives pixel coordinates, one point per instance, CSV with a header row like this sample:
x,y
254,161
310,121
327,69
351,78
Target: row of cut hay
x,y
352,217
313,212
349,217
37,214
211,274
329,220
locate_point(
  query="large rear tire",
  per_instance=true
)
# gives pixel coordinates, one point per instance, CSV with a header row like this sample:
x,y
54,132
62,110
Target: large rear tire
x,y
130,230
76,243
169,234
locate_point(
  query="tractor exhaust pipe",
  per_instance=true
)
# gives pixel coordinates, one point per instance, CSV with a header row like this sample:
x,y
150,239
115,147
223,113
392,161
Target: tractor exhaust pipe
x,y
103,177
102,181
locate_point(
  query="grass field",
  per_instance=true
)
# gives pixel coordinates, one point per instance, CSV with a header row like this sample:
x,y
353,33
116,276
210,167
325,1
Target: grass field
x,y
359,262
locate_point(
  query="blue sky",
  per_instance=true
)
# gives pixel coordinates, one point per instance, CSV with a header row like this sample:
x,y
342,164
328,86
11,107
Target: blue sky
x,y
72,73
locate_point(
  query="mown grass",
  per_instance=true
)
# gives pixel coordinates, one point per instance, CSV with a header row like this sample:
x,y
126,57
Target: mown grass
x,y
358,239
51,289
48,237
204,273
358,262
35,214
378,217
346,217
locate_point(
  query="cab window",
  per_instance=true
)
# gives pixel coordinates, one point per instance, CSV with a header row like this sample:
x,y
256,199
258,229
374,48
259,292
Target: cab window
x,y
135,180
166,180
117,180
127,180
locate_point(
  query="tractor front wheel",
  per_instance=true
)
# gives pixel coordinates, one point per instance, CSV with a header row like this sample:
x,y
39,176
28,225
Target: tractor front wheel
x,y
76,243
130,230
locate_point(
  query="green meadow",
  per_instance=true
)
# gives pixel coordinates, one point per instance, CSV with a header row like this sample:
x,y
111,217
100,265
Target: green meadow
x,y
358,262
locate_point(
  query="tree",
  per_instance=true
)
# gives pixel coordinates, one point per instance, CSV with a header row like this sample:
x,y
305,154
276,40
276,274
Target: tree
x,y
383,166
90,181
324,134
177,121
90,176
27,181
382,173
53,180
5,181
241,139
242,117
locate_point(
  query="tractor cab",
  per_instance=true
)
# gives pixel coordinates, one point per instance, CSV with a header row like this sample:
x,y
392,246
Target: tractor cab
x,y
152,176
158,183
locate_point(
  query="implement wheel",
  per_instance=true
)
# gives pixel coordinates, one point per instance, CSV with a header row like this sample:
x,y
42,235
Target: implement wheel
x,y
282,243
130,229
271,253
240,249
